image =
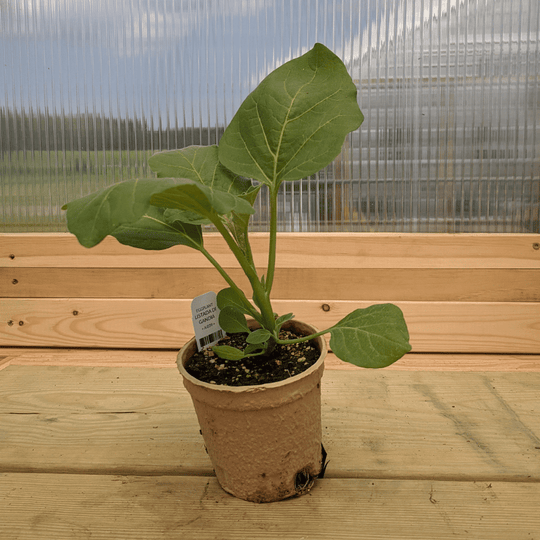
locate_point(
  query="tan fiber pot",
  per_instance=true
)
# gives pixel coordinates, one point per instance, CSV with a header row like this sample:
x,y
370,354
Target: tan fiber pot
x,y
265,440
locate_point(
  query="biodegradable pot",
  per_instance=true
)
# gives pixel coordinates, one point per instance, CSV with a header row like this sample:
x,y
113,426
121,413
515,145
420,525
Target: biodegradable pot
x,y
264,441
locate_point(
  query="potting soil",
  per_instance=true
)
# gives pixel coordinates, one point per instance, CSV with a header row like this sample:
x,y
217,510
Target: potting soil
x,y
285,361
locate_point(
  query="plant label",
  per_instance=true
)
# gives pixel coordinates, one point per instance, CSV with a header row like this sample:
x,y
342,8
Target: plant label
x,y
205,316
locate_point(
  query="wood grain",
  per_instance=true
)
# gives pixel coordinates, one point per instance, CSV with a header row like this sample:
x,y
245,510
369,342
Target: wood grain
x,y
96,443
43,506
449,362
376,423
295,250
100,358
451,327
383,284
167,359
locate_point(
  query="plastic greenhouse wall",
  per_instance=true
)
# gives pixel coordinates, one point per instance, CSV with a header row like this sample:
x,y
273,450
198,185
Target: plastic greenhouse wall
x,y
449,88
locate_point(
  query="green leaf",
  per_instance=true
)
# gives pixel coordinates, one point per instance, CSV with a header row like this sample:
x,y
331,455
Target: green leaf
x,y
200,164
172,215
295,122
229,297
374,337
253,350
283,319
232,320
257,337
207,188
99,214
239,223
154,232
194,197
228,353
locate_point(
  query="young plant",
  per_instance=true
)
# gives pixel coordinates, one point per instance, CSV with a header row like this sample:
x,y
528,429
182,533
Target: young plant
x,y
291,126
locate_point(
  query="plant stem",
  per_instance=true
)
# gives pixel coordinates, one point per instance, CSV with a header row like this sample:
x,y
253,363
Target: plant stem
x,y
273,241
260,296
247,248
253,312
302,339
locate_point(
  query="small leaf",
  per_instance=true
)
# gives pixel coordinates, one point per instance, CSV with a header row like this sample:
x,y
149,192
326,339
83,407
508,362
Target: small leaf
x,y
232,320
283,319
374,337
253,350
228,353
229,297
259,337
239,223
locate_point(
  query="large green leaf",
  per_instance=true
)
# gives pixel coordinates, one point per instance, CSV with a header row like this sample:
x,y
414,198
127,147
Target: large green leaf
x,y
374,337
155,231
222,191
171,215
200,199
200,164
295,122
99,214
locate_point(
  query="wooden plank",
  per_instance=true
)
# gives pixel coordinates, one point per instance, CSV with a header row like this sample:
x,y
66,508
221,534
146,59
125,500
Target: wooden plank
x,y
167,359
8,354
195,508
4,361
295,250
452,327
383,284
109,358
376,424
451,362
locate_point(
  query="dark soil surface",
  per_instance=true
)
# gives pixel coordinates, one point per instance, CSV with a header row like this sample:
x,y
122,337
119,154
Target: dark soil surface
x,y
284,362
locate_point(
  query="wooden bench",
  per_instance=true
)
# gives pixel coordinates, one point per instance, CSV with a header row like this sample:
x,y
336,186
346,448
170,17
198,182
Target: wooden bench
x,y
445,443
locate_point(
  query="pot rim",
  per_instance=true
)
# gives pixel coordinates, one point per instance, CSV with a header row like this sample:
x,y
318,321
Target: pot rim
x,y
191,344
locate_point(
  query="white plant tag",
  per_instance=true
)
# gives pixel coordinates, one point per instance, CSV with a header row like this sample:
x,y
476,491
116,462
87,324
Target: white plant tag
x,y
205,316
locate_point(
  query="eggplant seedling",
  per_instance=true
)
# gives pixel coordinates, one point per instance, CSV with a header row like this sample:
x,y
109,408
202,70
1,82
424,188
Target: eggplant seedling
x,y
291,126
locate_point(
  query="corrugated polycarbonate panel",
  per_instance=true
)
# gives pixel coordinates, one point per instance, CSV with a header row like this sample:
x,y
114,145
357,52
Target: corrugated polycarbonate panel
x,y
449,88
